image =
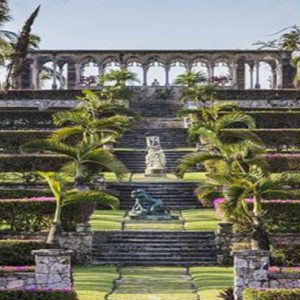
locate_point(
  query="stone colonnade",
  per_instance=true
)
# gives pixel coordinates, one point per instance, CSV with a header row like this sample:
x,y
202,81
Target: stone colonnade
x,y
237,62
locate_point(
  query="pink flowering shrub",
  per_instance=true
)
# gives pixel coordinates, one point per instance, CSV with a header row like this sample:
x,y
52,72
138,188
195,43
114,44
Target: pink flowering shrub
x,y
16,269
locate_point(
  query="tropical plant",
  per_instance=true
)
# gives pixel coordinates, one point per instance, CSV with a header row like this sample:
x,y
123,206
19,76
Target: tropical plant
x,y
20,49
189,79
256,184
64,197
87,159
114,84
94,120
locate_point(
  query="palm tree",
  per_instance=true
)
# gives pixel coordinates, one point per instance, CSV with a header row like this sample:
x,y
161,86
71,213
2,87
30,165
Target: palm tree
x,y
114,85
257,184
190,78
118,77
20,49
87,159
64,198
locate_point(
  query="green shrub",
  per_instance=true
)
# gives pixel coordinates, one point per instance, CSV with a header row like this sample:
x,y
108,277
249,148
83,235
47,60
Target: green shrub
x,y
280,216
286,255
18,252
275,294
38,294
36,215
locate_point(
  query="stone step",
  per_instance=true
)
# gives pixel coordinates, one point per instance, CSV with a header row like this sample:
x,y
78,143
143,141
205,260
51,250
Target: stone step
x,y
155,263
155,247
176,195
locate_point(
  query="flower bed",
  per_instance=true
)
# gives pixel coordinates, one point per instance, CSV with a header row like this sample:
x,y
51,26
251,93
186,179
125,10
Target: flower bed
x,y
38,294
271,294
16,269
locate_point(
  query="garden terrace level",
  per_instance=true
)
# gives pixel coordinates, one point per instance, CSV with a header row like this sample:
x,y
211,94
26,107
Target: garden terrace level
x,y
67,67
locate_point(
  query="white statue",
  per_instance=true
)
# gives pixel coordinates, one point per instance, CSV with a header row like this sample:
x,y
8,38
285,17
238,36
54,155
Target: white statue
x,y
155,159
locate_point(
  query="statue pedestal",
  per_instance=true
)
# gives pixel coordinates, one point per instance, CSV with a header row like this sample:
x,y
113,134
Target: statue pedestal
x,y
155,173
162,217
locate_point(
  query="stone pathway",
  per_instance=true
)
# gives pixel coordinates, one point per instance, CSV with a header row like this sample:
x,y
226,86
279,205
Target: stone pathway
x,y
154,283
149,225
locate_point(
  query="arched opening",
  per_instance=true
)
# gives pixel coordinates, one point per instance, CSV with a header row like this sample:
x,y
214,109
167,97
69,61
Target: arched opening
x,y
176,68
136,68
46,76
267,78
89,73
202,67
222,74
156,75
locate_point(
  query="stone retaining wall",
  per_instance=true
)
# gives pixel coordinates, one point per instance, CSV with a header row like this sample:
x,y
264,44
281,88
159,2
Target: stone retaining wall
x,y
225,240
52,271
251,270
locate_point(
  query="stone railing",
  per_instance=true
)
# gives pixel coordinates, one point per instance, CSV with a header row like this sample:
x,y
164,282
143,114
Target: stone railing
x,y
239,64
252,270
52,271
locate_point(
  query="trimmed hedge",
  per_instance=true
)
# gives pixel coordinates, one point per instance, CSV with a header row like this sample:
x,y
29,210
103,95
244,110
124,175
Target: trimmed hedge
x,y
38,294
36,215
18,252
277,138
274,294
258,94
47,162
281,216
11,193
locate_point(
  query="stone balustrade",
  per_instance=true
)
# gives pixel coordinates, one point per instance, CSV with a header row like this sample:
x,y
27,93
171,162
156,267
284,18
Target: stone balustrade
x,y
68,66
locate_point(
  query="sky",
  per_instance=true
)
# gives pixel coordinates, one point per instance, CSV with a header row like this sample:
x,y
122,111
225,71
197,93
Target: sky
x,y
155,24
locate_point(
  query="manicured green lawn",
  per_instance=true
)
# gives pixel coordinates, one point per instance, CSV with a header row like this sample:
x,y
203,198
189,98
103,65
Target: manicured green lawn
x,y
159,283
211,280
93,283
194,176
107,219
193,219
203,219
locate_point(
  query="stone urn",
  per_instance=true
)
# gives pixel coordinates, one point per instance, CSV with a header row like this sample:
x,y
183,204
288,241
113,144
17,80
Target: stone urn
x,y
225,228
83,227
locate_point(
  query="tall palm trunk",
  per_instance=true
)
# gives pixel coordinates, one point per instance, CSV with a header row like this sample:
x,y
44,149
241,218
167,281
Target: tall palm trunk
x,y
56,225
259,238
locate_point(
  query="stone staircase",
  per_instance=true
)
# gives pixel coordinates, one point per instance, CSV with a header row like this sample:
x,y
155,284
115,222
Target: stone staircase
x,y
142,248
169,137
176,195
135,160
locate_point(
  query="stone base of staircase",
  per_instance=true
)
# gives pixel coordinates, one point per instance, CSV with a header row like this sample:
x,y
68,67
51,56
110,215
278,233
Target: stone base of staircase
x,y
150,248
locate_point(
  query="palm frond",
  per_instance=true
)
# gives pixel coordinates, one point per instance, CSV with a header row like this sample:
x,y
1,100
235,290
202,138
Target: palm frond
x,y
51,146
103,198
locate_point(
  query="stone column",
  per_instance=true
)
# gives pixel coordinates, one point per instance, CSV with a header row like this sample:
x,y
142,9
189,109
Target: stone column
x,y
251,69
77,75
167,70
34,75
145,71
250,270
211,71
234,68
279,76
54,85
53,268
257,84
274,78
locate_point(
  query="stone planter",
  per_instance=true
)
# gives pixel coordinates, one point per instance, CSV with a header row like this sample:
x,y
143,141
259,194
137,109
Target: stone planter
x,y
225,228
83,227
